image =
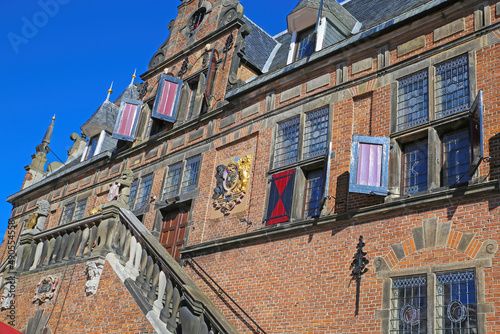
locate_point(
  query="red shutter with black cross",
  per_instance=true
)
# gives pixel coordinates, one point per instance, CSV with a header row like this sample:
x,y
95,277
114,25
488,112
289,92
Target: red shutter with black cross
x,y
280,197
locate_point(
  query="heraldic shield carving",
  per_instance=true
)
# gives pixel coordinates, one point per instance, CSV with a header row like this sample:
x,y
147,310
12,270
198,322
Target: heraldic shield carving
x,y
46,289
232,181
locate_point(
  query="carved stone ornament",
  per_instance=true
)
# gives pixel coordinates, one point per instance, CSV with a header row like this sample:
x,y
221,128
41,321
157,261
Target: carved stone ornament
x,y
232,181
94,271
8,294
46,289
37,219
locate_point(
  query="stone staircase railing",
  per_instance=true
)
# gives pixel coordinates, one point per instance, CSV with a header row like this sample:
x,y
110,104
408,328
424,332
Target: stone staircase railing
x,y
172,300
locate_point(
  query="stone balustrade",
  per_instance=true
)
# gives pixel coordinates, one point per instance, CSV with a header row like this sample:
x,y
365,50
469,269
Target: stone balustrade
x,y
170,298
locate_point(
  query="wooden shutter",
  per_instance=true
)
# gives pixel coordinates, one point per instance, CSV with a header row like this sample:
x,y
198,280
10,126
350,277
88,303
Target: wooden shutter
x,y
210,76
167,98
369,165
476,133
173,231
126,122
280,197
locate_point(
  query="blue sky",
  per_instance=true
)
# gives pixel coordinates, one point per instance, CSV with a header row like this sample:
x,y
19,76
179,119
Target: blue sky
x,y
60,56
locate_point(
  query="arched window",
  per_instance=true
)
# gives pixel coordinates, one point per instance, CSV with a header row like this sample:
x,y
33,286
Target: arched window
x,y
197,18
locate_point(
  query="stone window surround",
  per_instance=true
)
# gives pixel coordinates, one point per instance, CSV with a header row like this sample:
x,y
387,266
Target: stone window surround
x,y
432,130
75,200
302,166
183,161
478,265
318,45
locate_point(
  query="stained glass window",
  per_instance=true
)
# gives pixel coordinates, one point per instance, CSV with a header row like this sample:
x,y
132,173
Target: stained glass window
x,y
68,213
191,171
305,43
415,163
80,209
287,142
316,133
409,305
413,100
456,153
314,193
452,87
173,180
144,191
456,310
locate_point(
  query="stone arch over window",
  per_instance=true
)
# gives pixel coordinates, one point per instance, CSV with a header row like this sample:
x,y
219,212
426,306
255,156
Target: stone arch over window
x,y
437,237
197,18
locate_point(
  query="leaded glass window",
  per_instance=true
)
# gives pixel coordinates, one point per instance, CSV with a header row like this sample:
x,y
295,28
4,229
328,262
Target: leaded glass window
x,y
452,87
314,193
456,153
413,100
305,43
287,142
68,213
144,191
415,164
190,176
409,305
456,310
80,209
316,133
133,192
173,180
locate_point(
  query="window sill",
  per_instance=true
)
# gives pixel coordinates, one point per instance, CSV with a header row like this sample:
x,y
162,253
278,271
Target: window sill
x,y
266,233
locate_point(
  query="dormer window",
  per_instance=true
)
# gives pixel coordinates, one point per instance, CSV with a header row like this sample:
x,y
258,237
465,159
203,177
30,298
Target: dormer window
x,y
92,147
306,43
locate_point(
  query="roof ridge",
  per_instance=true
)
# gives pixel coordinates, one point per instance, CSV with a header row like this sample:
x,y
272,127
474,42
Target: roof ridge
x,y
255,24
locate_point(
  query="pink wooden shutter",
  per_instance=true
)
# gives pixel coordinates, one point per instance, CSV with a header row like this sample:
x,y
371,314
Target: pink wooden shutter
x,y
167,98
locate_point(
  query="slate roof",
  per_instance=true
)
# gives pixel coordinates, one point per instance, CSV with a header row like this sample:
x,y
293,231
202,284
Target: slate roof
x,y
104,118
311,4
281,56
373,12
131,93
259,45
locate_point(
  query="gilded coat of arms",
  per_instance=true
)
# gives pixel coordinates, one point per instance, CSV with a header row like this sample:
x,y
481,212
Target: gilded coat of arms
x,y
232,182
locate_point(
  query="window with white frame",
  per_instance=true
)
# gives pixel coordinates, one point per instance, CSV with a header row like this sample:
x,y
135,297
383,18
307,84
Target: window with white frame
x,y
182,177
305,43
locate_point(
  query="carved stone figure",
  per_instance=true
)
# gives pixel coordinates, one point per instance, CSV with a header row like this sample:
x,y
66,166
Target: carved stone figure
x,y
123,184
37,219
8,294
78,147
232,181
94,271
46,289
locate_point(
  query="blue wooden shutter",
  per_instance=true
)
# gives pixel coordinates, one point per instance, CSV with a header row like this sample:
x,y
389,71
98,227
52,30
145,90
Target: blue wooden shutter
x,y
476,133
167,98
369,165
280,197
126,122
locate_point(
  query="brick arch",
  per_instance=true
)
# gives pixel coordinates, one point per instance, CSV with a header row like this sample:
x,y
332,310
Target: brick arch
x,y
433,234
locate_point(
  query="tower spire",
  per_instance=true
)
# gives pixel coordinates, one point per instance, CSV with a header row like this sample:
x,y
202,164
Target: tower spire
x,y
48,134
133,77
110,91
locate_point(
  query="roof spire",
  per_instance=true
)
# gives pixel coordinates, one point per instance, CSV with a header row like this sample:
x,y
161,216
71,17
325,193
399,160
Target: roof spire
x,y
133,77
110,91
48,134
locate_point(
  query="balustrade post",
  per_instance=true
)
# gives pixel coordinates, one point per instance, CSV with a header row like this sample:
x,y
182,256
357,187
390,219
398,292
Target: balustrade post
x,y
38,254
154,283
158,303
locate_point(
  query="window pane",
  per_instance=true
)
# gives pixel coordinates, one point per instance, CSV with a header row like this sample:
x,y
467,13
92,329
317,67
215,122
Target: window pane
x,y
316,133
68,213
413,100
144,191
456,303
369,164
415,176
173,181
190,176
287,142
92,146
314,193
456,158
305,43
80,209
133,192
452,86
409,305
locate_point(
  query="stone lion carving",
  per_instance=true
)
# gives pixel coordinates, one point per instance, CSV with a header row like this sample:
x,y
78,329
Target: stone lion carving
x,y
37,219
119,191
